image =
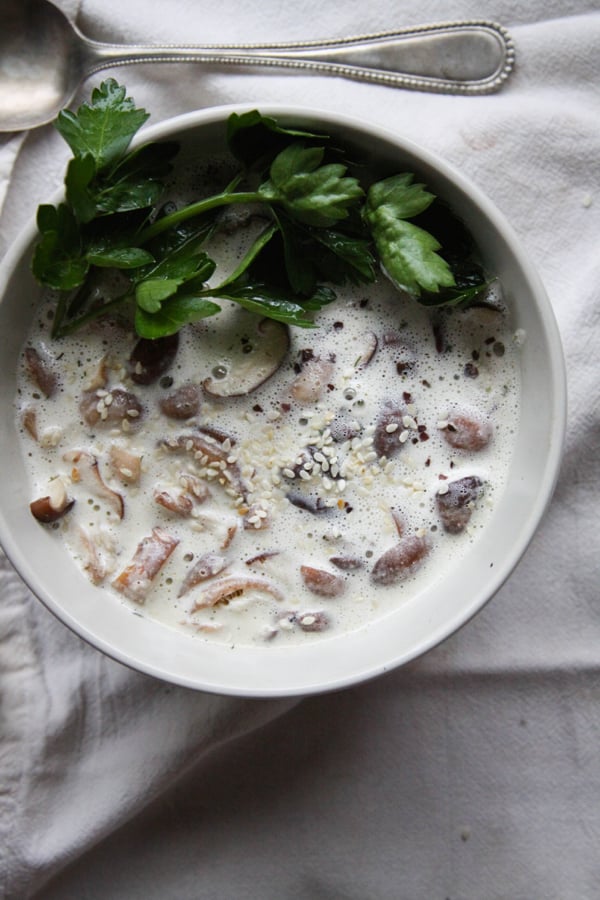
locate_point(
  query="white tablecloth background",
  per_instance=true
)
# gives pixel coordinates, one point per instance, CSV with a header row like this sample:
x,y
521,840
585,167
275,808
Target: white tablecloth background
x,y
473,773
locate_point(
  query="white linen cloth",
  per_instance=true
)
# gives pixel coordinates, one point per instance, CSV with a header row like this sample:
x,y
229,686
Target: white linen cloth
x,y
471,774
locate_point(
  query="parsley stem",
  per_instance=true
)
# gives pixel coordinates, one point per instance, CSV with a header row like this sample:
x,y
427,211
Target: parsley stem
x,y
196,209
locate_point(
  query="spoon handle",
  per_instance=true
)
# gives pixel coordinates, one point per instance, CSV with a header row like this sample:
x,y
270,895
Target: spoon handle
x,y
472,57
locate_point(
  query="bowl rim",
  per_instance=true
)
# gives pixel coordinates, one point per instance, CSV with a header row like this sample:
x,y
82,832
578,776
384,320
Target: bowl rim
x,y
557,391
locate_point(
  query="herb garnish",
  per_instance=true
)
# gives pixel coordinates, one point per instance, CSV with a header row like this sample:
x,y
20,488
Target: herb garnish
x,y
325,226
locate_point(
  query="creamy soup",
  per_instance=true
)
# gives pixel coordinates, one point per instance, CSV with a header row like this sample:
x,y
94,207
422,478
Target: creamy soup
x,y
253,483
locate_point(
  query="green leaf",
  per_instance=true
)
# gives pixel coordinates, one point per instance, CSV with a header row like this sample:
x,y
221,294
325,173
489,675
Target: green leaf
x,y
251,254
120,258
267,300
80,174
150,294
58,261
451,297
103,128
185,262
153,160
402,194
312,193
174,313
407,252
255,139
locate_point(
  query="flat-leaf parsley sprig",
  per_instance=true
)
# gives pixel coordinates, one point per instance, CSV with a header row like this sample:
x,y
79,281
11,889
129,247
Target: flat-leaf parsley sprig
x,y
324,226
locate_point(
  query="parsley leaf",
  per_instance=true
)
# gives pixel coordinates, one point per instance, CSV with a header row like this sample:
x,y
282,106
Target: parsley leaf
x,y
408,253
103,128
177,311
308,191
58,260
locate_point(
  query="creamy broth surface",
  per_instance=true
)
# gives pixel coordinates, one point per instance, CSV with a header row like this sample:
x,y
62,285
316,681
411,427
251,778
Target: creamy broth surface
x,y
305,506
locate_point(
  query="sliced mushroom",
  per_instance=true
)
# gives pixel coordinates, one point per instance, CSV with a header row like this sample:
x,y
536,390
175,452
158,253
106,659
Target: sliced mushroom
x,y
150,556
125,466
54,505
261,558
388,428
307,621
400,561
322,583
110,407
455,500
226,589
346,563
85,469
311,382
371,343
152,358
94,561
99,379
209,565
313,621
250,352
29,420
194,486
207,451
464,432
179,503
41,371
182,403
311,504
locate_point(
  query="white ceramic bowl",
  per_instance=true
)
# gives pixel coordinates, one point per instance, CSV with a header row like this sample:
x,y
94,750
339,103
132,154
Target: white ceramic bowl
x,y
415,626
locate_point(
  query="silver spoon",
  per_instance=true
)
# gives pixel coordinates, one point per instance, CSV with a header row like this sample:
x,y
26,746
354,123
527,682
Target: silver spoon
x,y
44,58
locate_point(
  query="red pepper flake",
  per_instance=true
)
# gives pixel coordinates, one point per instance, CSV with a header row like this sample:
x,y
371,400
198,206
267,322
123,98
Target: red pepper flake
x,y
425,383
471,370
257,408
407,397
423,436
338,325
443,477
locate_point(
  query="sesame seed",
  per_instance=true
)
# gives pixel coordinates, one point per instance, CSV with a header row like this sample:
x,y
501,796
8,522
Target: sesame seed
x,y
392,427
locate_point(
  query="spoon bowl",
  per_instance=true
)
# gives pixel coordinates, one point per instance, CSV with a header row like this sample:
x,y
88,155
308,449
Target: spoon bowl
x,y
44,58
